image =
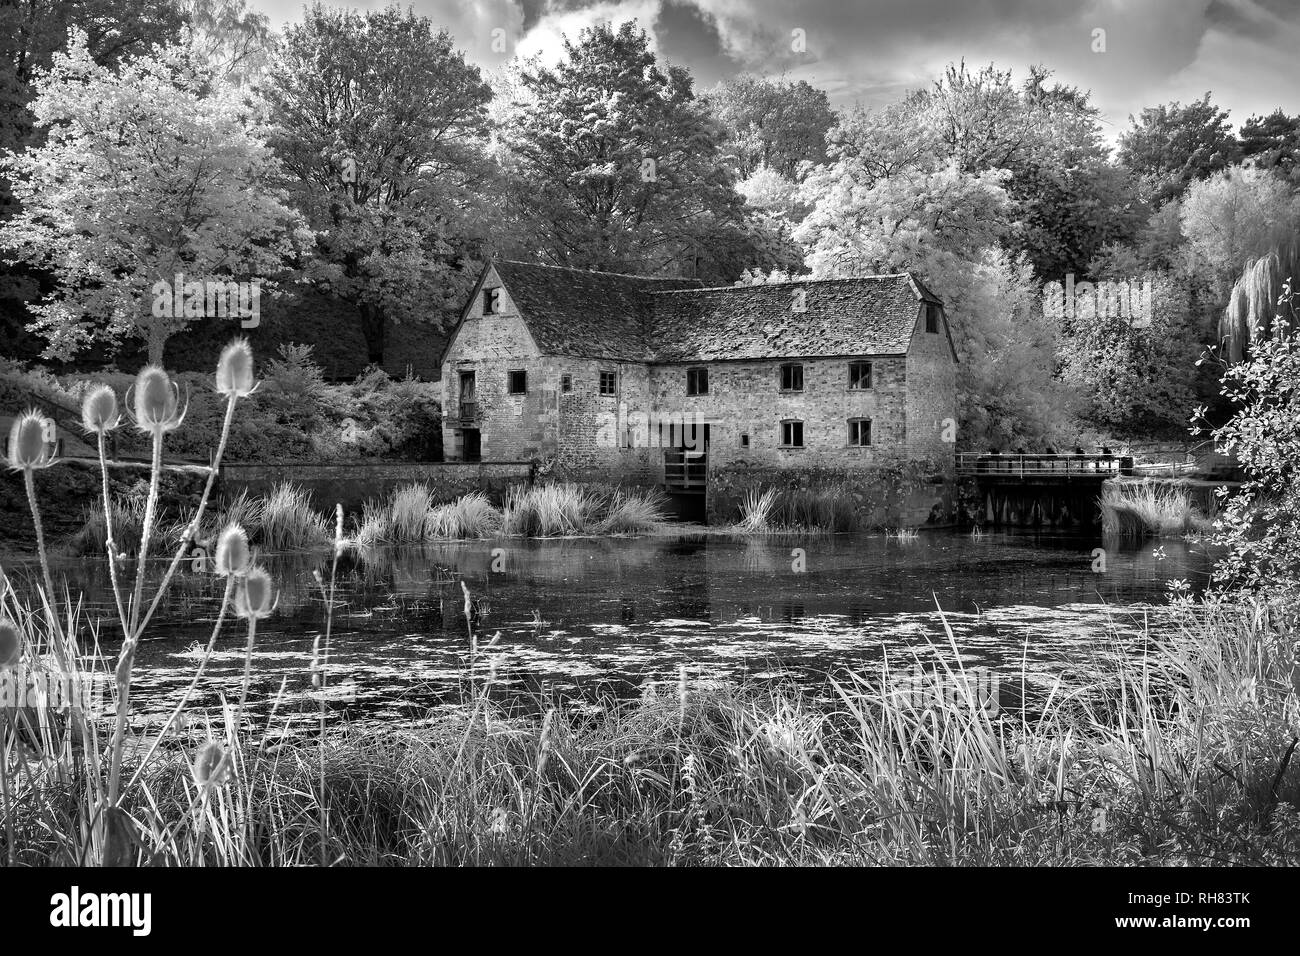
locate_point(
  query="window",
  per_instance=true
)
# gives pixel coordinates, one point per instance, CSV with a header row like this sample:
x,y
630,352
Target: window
x,y
792,377
518,382
744,441
491,301
859,375
931,317
566,383
609,383
697,381
791,434
860,431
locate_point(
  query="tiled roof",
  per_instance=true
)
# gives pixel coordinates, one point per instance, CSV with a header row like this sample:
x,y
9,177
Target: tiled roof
x,y
633,318
873,315
578,312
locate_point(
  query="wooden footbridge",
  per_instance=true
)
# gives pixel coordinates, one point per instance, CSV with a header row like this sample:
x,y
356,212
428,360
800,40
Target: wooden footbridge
x,y
1039,490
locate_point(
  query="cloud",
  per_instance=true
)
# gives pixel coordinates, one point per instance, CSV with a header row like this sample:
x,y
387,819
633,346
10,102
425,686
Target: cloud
x,y
545,38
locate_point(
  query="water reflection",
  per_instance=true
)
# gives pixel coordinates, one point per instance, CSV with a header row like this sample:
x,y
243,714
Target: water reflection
x,y
591,617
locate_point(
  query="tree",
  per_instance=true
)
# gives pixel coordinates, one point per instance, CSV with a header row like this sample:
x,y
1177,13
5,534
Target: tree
x,y
381,127
946,224
234,40
613,162
774,124
1273,142
1236,215
146,172
1172,146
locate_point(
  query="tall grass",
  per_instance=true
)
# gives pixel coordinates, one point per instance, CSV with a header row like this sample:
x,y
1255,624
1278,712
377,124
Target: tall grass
x,y
408,510
796,509
1139,509
549,510
471,516
289,523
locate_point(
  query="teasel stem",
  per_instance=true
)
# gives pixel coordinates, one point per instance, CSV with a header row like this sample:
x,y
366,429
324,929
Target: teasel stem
x,y
29,483
146,533
193,527
112,544
189,691
248,670
126,660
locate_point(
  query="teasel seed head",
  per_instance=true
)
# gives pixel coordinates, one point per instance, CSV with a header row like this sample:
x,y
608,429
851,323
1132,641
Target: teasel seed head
x,y
99,411
156,401
11,645
235,370
232,556
31,441
256,597
210,767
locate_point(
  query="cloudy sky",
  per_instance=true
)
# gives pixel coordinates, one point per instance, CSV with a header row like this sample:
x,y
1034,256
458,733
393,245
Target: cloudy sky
x,y
1247,52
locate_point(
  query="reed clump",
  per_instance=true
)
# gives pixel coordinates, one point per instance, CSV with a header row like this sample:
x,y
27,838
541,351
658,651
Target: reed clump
x,y
1141,509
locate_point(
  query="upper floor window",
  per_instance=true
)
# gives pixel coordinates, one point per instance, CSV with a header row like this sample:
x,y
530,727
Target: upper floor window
x,y
608,383
566,383
697,381
931,317
860,431
859,375
491,301
791,434
792,377
518,381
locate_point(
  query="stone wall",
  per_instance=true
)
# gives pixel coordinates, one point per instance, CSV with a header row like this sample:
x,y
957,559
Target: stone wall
x,y
931,408
892,495
355,483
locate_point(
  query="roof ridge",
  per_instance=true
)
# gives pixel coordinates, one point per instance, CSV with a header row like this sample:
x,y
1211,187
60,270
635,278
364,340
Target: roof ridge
x,y
599,272
810,281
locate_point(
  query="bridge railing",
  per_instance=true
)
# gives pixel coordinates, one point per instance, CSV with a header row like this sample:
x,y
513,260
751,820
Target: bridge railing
x,y
978,464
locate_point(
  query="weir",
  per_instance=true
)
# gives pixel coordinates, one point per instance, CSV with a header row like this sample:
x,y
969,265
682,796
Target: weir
x,y
1055,491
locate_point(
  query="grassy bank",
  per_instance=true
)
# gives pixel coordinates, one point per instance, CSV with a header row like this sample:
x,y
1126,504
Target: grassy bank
x,y
1181,757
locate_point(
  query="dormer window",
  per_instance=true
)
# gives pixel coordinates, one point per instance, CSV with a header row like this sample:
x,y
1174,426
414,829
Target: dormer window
x,y
491,301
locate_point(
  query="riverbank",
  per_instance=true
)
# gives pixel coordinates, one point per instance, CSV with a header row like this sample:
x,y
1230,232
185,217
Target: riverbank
x,y
1181,756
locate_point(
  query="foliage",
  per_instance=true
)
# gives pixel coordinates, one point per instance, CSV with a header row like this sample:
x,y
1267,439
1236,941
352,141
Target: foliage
x,y
1171,146
771,124
381,124
614,163
102,195
1236,215
1260,524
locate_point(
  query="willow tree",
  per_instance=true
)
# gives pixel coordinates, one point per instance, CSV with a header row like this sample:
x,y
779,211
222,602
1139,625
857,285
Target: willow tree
x,y
1261,304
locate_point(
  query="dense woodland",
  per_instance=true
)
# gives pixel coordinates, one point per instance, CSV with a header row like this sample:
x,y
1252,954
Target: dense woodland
x,y
363,170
